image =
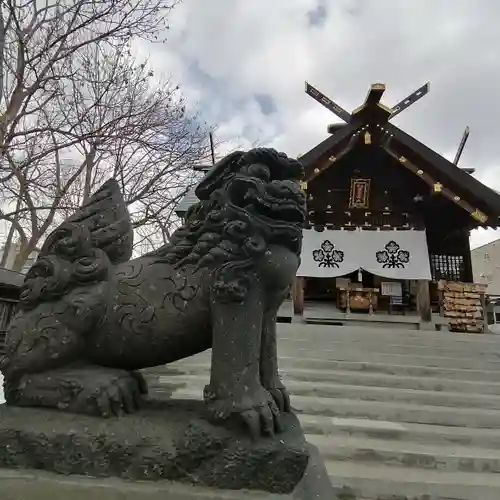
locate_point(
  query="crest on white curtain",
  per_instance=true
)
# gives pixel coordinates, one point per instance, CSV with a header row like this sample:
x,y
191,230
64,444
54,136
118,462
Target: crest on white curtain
x,y
393,256
327,255
390,254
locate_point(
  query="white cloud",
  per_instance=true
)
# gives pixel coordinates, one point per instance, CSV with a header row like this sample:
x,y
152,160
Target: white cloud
x,y
224,53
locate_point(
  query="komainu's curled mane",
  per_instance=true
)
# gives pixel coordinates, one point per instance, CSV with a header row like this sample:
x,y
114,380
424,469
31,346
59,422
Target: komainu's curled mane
x,y
90,316
248,202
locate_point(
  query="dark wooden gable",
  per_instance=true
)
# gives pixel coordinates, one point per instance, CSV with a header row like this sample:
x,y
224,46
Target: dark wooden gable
x,y
442,178
397,198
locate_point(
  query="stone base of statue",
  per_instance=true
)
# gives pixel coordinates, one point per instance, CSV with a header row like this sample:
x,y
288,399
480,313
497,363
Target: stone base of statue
x,y
167,450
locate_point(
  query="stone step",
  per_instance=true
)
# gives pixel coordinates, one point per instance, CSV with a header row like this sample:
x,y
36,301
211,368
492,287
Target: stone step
x,y
450,458
390,367
290,364
377,428
459,344
400,431
327,358
367,379
355,392
461,349
381,482
374,410
357,378
390,345
343,354
319,333
380,352
398,412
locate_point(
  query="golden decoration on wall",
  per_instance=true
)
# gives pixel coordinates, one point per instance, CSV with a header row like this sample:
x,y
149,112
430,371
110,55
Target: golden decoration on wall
x,y
359,196
303,185
438,187
368,137
479,216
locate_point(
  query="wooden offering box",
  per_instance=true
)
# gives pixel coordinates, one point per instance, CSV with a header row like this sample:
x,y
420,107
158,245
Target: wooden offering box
x,y
358,298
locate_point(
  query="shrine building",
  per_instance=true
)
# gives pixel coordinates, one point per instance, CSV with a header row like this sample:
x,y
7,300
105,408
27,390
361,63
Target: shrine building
x,y
387,216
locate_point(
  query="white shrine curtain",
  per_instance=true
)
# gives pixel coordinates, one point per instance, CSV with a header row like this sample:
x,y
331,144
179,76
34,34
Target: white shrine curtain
x,y
390,254
328,254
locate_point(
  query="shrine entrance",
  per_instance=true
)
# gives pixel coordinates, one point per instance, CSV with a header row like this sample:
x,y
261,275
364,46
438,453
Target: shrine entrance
x,y
363,292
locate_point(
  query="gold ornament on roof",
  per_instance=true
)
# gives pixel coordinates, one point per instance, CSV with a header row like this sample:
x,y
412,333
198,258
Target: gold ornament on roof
x,y
479,216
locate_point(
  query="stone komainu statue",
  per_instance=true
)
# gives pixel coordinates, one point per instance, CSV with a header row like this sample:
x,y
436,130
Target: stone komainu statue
x,y
90,317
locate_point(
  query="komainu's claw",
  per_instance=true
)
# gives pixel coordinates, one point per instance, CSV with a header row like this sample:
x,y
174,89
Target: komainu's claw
x,y
281,397
276,417
141,381
267,420
116,397
252,422
256,409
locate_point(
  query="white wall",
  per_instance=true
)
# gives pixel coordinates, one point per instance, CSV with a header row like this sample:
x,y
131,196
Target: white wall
x,y
9,263
486,266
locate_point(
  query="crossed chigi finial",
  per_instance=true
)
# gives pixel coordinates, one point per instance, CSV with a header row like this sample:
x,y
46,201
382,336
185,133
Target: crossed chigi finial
x,y
373,98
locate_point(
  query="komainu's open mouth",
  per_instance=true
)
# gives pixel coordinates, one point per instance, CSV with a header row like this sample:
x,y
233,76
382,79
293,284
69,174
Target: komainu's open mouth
x,y
277,200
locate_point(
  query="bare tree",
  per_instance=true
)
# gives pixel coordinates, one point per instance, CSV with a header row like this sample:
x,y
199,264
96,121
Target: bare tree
x,y
76,108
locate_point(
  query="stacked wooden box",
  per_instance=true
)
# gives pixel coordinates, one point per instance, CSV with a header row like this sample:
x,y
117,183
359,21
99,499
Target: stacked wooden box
x,y
463,304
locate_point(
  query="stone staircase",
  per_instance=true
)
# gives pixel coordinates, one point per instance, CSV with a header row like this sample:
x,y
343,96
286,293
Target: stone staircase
x,y
397,414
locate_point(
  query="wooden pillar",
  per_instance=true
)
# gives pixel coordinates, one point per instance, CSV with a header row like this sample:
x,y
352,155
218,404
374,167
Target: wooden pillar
x,y
298,296
468,271
484,304
424,300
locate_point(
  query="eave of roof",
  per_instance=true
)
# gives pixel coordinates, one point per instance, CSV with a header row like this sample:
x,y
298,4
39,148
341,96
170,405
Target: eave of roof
x,y
325,148
449,170
11,278
189,199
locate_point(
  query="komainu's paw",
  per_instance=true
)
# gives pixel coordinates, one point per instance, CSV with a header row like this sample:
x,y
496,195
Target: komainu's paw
x,y
118,395
255,407
113,393
91,390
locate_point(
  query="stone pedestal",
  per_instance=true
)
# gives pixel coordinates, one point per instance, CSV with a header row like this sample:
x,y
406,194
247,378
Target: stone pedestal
x,y
166,451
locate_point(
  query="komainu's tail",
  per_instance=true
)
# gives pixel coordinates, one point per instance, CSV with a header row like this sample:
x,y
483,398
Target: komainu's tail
x,y
60,297
82,248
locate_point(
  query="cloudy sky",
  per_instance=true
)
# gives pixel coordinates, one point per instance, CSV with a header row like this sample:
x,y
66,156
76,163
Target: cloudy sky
x,y
243,63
